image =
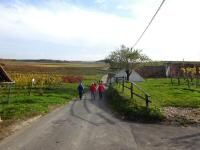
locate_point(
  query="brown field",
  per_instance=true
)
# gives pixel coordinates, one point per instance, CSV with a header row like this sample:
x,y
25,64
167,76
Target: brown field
x,y
53,68
51,73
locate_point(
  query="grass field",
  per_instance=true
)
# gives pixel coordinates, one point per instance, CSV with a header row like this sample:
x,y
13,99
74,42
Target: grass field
x,y
163,94
55,92
22,105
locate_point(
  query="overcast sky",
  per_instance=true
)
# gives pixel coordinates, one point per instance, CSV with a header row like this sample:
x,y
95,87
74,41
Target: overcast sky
x,y
91,29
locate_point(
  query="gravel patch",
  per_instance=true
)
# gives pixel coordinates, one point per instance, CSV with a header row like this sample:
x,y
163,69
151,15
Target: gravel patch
x,y
182,116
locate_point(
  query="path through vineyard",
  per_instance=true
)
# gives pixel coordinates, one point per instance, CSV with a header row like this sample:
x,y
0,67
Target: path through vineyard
x,y
89,125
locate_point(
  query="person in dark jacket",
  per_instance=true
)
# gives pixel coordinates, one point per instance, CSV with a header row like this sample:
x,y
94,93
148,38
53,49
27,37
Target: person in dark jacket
x,y
80,89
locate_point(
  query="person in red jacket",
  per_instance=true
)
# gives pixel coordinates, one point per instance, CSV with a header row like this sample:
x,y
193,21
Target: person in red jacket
x,y
93,91
101,90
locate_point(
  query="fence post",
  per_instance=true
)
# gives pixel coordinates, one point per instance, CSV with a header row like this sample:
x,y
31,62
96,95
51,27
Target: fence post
x,y
188,82
171,80
131,90
147,101
197,81
9,91
123,85
116,80
179,80
30,88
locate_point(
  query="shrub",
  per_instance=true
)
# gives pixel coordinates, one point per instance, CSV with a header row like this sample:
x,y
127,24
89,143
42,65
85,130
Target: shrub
x,y
72,79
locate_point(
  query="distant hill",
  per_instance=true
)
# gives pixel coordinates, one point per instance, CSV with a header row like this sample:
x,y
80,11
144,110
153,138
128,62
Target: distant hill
x,y
36,60
50,61
46,61
101,61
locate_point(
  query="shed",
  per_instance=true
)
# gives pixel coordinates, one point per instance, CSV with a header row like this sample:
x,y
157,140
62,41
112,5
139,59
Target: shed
x,y
4,77
5,80
134,77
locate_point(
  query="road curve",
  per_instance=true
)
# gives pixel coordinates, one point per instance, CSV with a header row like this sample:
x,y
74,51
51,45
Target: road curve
x,y
80,125
89,125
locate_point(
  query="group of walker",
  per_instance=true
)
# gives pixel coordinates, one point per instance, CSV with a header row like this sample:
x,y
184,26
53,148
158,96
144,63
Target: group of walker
x,y
94,88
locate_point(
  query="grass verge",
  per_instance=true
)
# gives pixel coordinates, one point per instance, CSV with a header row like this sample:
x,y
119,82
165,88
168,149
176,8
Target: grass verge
x,y
22,105
128,109
179,98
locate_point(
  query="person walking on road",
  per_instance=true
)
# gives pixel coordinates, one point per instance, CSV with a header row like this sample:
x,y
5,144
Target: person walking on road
x,y
101,90
93,91
80,89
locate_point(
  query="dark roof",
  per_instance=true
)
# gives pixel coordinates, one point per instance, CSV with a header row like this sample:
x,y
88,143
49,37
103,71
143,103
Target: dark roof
x,y
4,77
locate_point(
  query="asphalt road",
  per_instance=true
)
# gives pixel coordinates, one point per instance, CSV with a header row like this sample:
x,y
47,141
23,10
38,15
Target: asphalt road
x,y
89,125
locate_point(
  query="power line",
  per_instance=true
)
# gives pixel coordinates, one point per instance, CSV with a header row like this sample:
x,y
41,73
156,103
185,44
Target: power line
x,y
148,24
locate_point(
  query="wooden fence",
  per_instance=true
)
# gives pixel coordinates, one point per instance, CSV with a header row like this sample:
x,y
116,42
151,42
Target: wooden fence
x,y
145,97
5,87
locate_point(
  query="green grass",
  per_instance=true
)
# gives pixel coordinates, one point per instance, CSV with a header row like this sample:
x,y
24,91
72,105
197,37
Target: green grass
x,y
129,109
23,105
163,94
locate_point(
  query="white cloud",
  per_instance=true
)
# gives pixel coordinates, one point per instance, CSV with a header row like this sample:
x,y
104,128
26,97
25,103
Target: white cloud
x,y
66,23
100,1
173,35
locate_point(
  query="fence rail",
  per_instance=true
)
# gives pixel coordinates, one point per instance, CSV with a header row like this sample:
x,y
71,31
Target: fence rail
x,y
146,96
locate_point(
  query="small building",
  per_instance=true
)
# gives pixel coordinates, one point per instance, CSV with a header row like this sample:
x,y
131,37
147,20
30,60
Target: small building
x,y
134,76
4,77
5,80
